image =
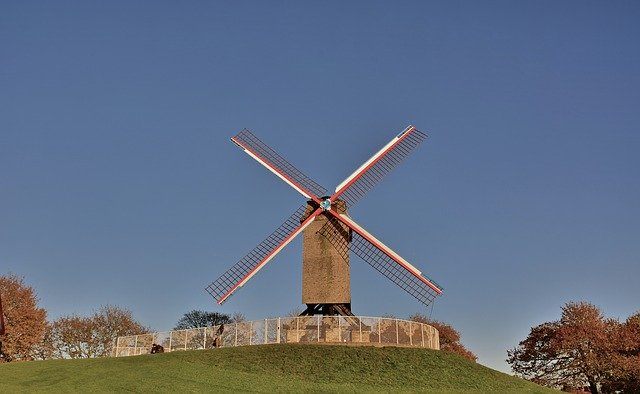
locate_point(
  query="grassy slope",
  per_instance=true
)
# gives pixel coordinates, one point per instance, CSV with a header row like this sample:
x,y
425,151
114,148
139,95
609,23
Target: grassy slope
x,y
266,368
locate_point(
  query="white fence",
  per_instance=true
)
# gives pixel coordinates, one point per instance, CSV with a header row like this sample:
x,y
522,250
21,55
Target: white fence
x,y
302,329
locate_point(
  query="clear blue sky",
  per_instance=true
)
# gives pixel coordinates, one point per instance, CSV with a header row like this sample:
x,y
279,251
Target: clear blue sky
x,y
119,185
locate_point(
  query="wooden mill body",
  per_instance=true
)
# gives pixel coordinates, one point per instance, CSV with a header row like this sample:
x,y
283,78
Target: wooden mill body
x,y
325,258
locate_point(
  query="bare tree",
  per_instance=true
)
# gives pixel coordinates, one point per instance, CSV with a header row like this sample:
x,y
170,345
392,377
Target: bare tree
x,y
44,349
112,321
73,337
87,337
196,318
238,317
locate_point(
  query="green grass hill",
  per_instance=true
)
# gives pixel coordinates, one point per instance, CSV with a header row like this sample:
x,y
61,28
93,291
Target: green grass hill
x,y
268,368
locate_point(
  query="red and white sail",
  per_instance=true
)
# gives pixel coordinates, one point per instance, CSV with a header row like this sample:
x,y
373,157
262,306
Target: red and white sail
x,y
275,163
352,189
240,273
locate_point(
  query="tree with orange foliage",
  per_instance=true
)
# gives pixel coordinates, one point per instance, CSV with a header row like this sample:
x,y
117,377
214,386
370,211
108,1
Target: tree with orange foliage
x,y
585,338
449,337
24,322
583,348
624,374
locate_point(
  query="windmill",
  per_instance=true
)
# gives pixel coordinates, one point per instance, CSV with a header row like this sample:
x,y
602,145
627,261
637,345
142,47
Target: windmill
x,y
330,234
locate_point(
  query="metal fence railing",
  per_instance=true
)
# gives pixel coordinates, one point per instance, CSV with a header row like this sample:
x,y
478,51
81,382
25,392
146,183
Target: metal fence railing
x,y
301,329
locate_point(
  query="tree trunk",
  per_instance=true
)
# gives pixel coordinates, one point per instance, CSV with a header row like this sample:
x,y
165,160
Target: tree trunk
x,y
593,387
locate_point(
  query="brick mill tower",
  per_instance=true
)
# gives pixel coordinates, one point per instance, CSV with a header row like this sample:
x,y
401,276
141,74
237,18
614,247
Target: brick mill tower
x,y
326,286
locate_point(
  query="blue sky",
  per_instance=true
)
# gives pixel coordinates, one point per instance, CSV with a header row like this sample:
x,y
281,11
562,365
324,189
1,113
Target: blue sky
x,y
119,185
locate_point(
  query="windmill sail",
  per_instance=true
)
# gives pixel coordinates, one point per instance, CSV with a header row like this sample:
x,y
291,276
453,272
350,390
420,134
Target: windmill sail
x,y
405,275
352,189
390,264
249,265
420,287
278,165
